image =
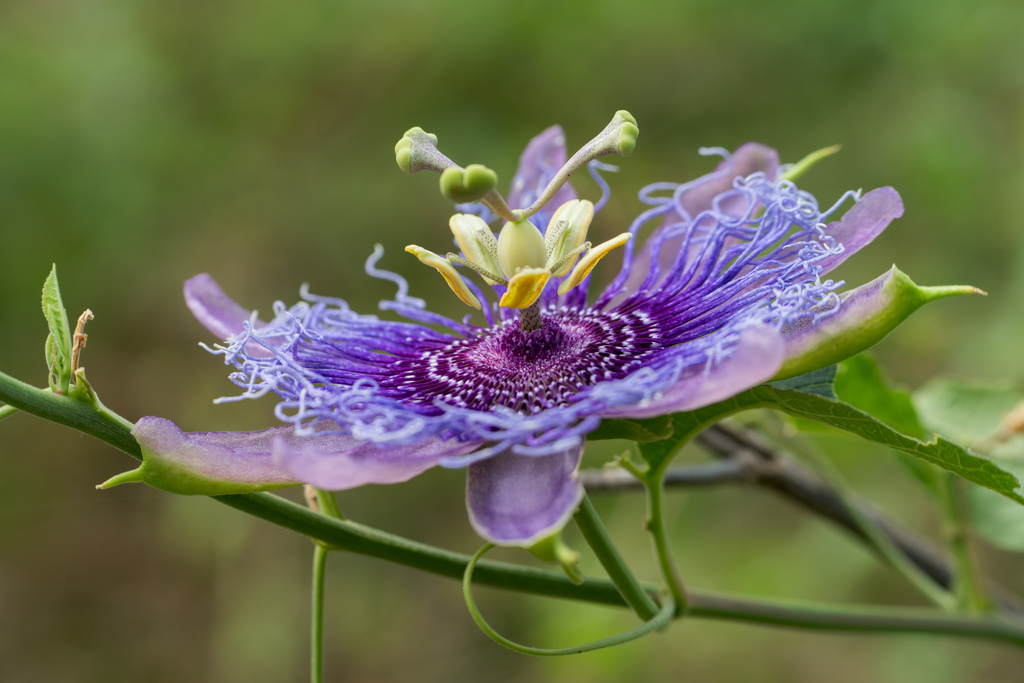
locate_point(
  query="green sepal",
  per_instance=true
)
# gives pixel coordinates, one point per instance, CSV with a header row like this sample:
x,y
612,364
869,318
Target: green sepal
x,y
58,342
866,315
167,475
554,549
182,482
208,464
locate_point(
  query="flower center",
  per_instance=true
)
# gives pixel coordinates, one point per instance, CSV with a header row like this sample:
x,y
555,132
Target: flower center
x,y
528,371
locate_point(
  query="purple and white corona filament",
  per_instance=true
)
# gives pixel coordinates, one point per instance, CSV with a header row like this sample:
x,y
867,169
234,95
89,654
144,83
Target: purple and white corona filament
x,y
729,288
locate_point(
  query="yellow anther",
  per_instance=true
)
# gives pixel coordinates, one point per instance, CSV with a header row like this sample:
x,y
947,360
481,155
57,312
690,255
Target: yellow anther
x,y
448,272
588,262
477,242
525,287
566,232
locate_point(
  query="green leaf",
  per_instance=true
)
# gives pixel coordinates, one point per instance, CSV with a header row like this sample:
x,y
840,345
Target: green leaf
x,y
807,401
818,382
973,414
939,451
653,429
685,426
860,382
58,343
969,413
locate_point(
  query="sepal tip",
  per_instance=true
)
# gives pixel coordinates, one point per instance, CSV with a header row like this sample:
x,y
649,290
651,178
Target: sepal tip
x,y
130,477
554,549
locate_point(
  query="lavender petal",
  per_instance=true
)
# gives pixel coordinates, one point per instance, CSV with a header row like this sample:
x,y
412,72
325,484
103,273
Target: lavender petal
x,y
749,158
518,500
214,309
338,462
755,360
862,223
206,463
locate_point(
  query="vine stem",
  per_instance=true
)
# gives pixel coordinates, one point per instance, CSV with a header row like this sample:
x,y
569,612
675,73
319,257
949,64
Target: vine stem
x,y
658,621
360,539
316,648
968,588
662,546
608,555
327,505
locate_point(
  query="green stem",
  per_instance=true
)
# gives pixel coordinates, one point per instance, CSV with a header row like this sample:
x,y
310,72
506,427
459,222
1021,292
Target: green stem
x,y
968,586
328,503
660,620
7,411
662,546
105,425
852,619
608,555
363,540
316,660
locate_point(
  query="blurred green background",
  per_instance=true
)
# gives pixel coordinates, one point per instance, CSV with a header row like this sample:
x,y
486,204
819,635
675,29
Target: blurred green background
x,y
143,142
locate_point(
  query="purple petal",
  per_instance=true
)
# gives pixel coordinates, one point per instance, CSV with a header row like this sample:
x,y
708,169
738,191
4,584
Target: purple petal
x,y
865,316
540,161
862,223
339,462
518,500
208,462
755,360
214,309
219,313
749,158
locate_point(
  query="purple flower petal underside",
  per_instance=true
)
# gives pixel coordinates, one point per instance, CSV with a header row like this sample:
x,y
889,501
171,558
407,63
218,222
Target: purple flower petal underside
x,y
518,500
342,462
236,457
755,360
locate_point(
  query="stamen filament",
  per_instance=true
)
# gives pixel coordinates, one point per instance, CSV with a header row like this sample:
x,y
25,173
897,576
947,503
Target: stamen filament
x,y
487,275
556,270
